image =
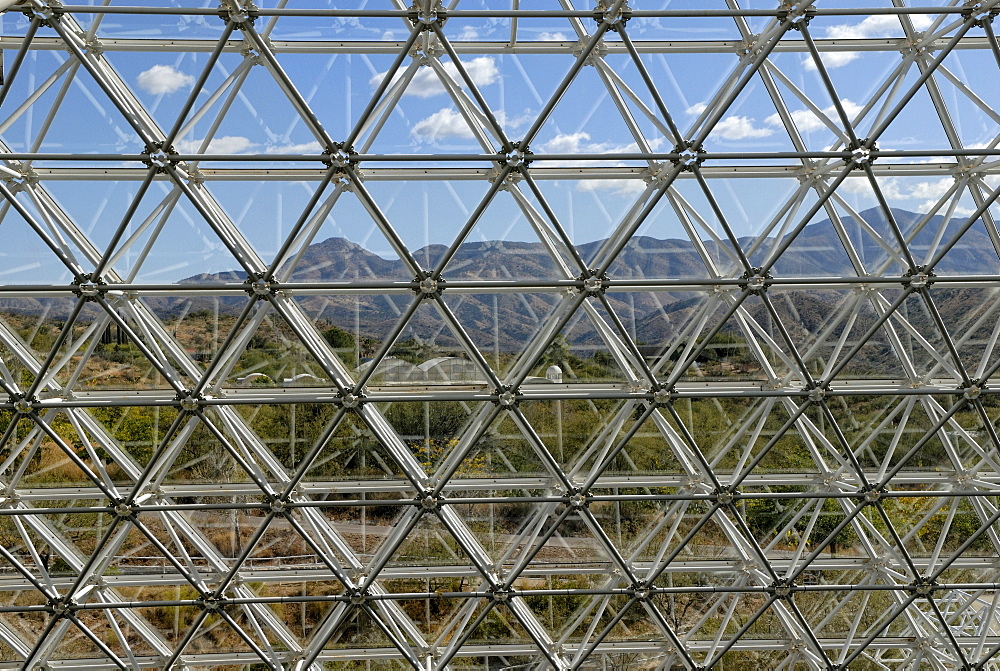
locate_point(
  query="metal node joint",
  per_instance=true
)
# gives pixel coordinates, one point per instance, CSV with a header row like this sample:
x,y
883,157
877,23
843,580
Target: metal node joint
x,y
427,285
871,495
725,495
577,499
189,401
615,17
502,594
507,397
817,393
124,510
278,505
978,14
796,16
211,602
340,155
358,597
61,607
427,19
240,15
351,399
973,391
918,278
641,591
428,501
661,395
47,14
159,157
88,288
594,283
23,405
923,586
260,288
517,158
862,153
754,281
689,155
783,588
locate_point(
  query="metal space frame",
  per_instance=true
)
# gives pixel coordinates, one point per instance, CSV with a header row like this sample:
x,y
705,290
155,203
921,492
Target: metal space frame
x,y
774,598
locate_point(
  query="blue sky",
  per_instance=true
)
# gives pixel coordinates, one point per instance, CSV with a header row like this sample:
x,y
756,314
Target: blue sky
x,y
426,121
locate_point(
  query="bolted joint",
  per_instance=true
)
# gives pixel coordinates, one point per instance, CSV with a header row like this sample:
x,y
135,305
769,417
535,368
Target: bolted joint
x,y
689,156
47,15
426,20
124,510
517,158
577,499
796,17
427,501
159,157
240,16
351,400
507,397
782,588
358,597
61,607
725,496
501,594
428,286
211,603
278,505
976,14
870,495
616,18
593,283
259,288
973,391
340,155
89,289
641,591
754,281
922,586
189,401
918,278
23,405
862,154
661,395
817,393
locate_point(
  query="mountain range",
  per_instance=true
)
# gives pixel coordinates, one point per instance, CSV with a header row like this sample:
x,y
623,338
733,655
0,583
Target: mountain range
x,y
505,321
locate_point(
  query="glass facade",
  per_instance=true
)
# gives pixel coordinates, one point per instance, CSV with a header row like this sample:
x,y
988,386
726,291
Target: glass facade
x,y
499,335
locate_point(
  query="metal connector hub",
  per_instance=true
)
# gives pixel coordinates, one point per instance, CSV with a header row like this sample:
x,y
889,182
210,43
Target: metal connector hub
x,y
190,402
861,154
689,156
350,400
662,396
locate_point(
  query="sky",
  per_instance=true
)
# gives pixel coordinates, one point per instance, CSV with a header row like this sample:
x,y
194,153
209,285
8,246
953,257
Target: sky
x,y
426,121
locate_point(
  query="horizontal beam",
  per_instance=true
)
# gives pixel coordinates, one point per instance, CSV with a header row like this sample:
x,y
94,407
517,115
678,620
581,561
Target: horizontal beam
x,y
274,173
737,47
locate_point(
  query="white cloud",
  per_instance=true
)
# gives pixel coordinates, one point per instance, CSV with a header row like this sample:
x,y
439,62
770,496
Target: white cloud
x,y
883,25
163,79
444,124
468,34
696,108
426,83
806,121
739,128
302,148
919,196
546,36
579,143
228,144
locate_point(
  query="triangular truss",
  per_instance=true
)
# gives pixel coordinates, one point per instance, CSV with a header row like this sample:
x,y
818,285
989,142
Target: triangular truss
x,y
641,362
